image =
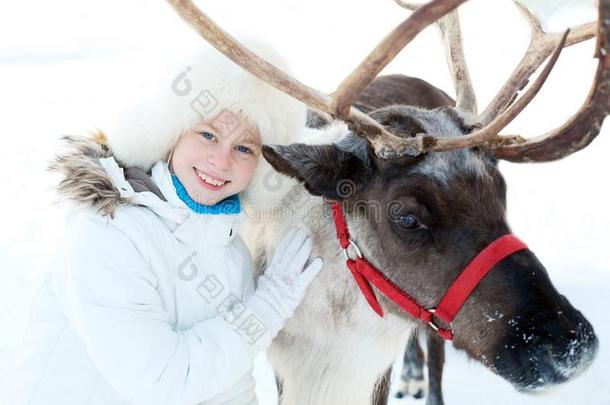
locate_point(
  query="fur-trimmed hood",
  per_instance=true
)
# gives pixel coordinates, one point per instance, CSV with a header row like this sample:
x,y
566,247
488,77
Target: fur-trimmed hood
x,y
85,182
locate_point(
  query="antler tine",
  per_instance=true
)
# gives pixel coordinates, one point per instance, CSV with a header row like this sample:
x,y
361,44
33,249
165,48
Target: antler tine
x,y
386,50
532,20
580,130
466,99
408,5
490,131
540,47
449,25
385,144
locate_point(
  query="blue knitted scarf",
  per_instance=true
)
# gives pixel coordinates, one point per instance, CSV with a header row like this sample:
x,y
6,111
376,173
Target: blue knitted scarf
x,y
230,205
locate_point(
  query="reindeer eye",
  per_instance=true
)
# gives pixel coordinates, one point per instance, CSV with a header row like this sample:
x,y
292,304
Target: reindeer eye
x,y
409,222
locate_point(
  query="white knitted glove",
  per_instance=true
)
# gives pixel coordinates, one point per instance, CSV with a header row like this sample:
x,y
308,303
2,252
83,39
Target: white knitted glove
x,y
280,289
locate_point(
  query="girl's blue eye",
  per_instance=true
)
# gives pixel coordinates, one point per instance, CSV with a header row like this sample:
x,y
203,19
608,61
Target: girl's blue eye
x,y
208,135
244,149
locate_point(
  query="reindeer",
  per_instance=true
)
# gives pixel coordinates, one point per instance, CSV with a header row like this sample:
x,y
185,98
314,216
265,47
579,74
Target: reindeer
x,y
407,207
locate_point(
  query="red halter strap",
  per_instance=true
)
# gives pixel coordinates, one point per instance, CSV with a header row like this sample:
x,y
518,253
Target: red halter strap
x,y
366,274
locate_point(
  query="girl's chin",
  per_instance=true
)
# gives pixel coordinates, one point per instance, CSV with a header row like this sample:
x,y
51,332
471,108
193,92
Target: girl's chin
x,y
206,199
204,196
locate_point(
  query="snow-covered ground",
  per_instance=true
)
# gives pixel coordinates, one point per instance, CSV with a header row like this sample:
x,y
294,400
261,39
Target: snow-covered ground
x,y
68,67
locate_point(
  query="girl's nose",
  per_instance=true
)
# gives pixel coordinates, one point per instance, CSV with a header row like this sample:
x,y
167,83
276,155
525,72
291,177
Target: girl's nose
x,y
220,159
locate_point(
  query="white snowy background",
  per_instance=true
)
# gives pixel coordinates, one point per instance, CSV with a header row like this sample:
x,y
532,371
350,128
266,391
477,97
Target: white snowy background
x,y
68,66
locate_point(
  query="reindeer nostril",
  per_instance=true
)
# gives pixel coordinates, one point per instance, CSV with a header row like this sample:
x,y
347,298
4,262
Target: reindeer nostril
x,y
570,349
570,328
546,347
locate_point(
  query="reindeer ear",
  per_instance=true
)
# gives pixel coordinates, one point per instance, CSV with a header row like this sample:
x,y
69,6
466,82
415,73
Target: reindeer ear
x,y
324,170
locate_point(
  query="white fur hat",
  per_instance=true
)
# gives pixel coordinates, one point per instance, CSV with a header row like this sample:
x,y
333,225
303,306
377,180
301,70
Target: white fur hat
x,y
208,83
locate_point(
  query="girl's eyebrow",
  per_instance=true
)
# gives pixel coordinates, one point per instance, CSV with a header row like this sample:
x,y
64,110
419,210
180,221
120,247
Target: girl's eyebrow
x,y
199,127
250,141
209,124
250,138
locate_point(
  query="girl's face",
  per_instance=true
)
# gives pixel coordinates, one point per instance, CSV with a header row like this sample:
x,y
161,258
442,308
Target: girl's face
x,y
217,158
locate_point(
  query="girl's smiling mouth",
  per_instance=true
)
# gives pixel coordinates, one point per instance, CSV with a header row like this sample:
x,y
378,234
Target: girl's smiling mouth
x,y
209,181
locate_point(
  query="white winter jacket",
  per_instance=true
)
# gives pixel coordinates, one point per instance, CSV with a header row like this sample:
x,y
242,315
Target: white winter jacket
x,y
130,313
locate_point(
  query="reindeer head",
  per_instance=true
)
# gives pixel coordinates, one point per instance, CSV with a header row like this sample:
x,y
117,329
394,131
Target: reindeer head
x,y
425,194
421,220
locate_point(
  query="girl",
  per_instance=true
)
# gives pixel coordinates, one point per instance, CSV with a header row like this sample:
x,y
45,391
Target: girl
x,y
151,299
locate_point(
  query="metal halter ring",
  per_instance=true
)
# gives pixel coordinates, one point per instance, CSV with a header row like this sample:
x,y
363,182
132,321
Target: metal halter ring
x,y
434,326
352,243
431,323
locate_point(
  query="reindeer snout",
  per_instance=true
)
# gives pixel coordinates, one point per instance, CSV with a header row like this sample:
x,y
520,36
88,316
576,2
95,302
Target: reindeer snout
x,y
546,349
565,347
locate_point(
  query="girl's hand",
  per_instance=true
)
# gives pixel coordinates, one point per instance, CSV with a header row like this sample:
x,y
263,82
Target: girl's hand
x,y
282,286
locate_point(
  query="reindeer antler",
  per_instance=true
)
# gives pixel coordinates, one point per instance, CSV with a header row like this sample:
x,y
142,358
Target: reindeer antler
x,y
348,91
573,135
539,49
385,144
580,130
491,130
449,25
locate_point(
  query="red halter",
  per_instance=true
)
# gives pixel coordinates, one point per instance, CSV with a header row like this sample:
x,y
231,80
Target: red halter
x,y
453,300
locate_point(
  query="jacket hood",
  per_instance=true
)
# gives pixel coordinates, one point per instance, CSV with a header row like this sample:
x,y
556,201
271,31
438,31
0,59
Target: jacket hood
x,y
85,182
93,178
